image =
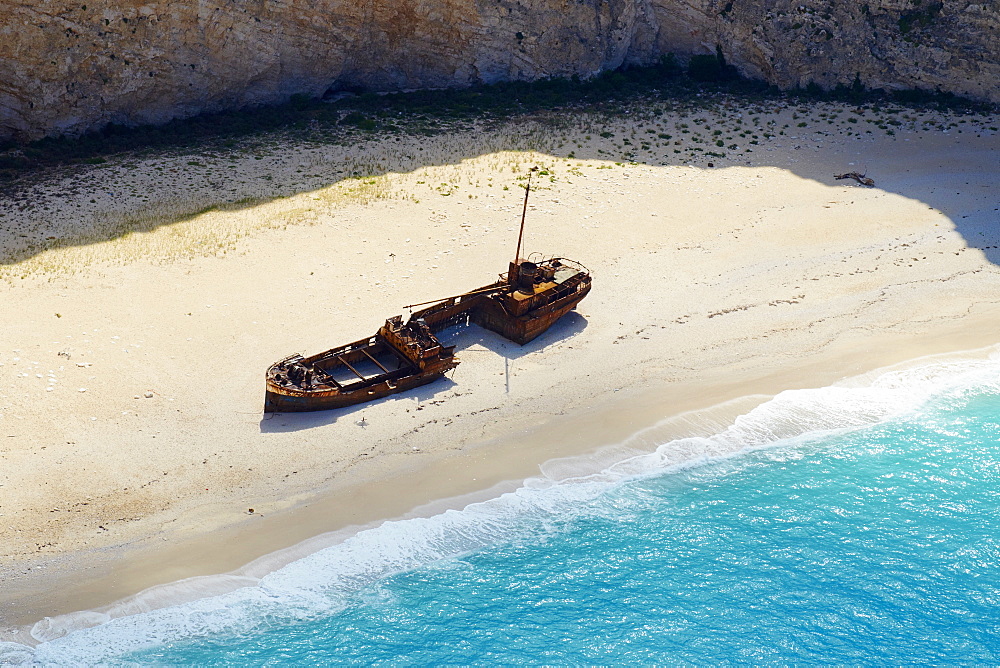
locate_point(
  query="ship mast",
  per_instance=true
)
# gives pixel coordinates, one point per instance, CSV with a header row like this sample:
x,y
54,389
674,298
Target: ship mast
x,y
524,212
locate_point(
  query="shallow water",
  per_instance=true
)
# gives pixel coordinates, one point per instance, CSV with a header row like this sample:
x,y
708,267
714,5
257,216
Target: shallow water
x,y
870,535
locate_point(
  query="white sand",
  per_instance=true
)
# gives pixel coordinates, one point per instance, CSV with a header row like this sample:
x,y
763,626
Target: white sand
x,y
759,274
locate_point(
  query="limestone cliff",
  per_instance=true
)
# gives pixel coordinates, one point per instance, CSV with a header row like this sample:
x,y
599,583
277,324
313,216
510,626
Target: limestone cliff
x,y
67,67
952,45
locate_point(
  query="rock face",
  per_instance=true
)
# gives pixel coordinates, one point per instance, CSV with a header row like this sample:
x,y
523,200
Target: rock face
x,y
893,44
68,67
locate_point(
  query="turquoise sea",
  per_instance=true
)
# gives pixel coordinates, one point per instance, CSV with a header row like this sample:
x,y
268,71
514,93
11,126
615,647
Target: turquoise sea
x,y
853,524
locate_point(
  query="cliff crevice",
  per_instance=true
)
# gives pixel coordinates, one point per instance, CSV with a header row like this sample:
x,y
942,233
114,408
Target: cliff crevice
x,y
68,67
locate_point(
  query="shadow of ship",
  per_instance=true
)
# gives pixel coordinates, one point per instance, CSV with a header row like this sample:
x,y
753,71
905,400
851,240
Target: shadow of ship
x,y
463,336
520,306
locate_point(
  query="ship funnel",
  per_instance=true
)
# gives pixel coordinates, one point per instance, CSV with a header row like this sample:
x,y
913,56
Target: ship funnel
x,y
526,273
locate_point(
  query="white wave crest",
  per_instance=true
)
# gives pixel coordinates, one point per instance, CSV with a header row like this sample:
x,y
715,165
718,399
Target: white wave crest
x,y
320,583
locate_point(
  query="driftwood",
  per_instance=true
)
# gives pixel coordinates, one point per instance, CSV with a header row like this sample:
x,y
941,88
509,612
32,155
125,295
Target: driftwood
x,y
860,178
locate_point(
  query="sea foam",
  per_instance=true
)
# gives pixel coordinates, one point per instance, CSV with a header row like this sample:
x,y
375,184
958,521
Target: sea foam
x,y
321,583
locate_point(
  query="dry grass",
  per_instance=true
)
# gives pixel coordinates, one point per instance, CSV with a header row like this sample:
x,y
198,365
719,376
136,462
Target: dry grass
x,y
169,207
186,220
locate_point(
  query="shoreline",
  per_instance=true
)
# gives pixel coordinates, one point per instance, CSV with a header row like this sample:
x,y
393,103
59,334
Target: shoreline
x,y
766,276
586,441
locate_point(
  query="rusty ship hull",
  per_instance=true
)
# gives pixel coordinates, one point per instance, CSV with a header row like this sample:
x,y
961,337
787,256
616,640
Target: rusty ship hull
x,y
533,304
283,399
399,357
520,306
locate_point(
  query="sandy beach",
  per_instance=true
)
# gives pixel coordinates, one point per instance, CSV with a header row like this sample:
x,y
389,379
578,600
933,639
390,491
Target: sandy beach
x,y
144,298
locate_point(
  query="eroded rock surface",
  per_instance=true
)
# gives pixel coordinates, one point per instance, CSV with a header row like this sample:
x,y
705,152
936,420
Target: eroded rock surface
x,y
893,44
68,67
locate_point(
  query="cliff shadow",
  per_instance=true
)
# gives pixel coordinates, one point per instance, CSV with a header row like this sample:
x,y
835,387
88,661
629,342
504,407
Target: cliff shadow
x,y
105,202
951,171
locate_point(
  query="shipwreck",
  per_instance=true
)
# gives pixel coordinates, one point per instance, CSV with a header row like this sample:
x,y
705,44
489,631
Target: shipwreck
x,y
522,304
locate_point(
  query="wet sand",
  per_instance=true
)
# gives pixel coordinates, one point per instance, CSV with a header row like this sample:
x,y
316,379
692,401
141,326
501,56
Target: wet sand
x,y
131,436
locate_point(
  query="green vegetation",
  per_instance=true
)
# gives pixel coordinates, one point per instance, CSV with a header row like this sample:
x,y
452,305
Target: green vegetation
x,y
919,18
346,113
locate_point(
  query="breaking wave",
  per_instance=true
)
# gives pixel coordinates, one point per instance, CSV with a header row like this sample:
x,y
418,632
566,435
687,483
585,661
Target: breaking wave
x,y
328,580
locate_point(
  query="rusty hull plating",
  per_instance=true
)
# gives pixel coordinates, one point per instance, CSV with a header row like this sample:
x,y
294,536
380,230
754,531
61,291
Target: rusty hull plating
x,y
525,302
